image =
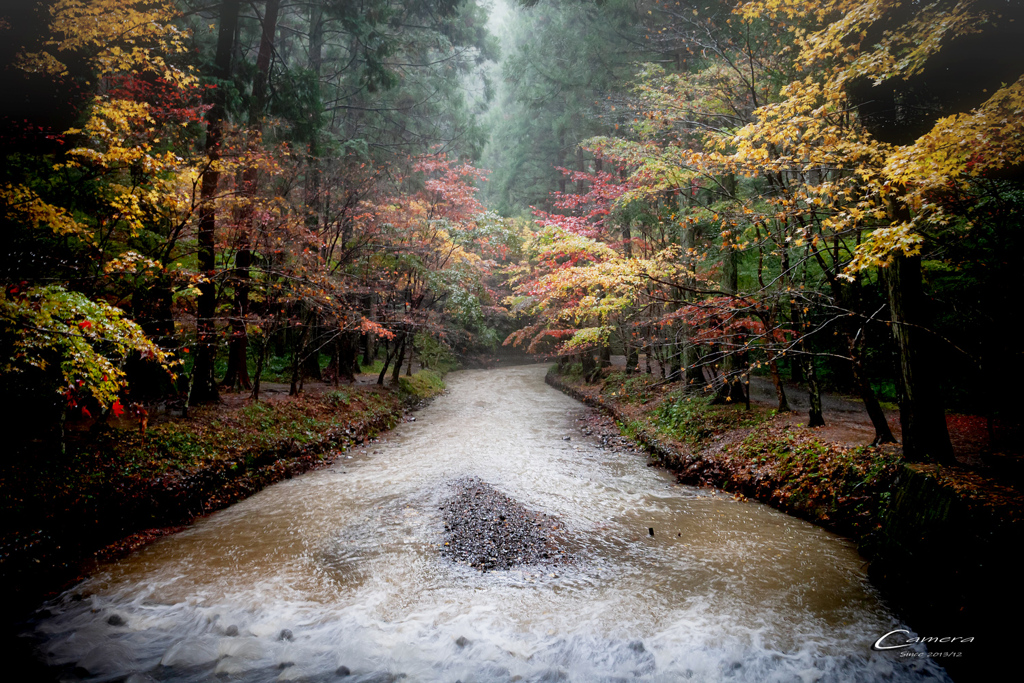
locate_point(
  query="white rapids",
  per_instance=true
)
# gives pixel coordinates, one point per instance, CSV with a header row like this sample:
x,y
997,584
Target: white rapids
x,y
336,575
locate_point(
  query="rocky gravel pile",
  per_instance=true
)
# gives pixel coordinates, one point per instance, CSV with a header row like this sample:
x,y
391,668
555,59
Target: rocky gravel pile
x,y
603,428
487,530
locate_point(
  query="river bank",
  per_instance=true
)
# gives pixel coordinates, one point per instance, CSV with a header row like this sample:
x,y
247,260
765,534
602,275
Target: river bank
x,y
343,569
936,539
749,453
119,487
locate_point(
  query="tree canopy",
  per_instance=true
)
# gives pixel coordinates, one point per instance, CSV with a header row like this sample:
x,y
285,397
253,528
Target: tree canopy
x,y
823,191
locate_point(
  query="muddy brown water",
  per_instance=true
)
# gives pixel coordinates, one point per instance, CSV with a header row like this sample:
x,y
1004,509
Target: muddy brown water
x,y
338,571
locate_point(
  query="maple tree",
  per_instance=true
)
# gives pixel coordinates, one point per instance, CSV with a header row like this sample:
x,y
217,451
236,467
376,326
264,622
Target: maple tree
x,y
265,183
115,177
76,347
889,184
798,208
139,211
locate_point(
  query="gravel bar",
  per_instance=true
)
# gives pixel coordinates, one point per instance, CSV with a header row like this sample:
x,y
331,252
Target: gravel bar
x,y
487,530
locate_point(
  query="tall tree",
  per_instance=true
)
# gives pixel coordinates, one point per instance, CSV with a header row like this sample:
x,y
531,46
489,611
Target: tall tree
x,y
238,366
203,382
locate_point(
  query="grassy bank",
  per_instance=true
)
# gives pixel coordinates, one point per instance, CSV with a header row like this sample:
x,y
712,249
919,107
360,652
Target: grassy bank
x,y
752,453
118,487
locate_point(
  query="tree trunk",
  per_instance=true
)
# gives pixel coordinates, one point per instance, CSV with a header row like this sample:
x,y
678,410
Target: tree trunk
x,y
780,389
369,339
344,362
333,372
261,355
694,375
590,367
238,350
922,418
263,58
311,352
730,256
297,358
883,434
387,362
690,372
581,185
204,386
675,363
796,370
316,47
632,358
849,296
815,417
739,391
399,357
237,375
727,366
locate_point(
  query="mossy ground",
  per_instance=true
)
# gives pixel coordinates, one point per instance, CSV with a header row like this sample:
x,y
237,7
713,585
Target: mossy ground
x,y
423,385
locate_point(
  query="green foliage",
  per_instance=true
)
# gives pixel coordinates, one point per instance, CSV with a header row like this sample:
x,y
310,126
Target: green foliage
x,y
120,464
629,388
693,419
422,385
76,346
339,397
462,290
500,237
588,338
558,58
373,368
573,372
168,446
829,483
434,354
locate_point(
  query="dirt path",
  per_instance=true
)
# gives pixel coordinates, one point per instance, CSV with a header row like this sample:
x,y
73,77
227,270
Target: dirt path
x,y
846,420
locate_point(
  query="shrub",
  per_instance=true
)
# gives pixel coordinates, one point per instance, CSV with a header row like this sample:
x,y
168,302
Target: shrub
x,y
435,354
422,385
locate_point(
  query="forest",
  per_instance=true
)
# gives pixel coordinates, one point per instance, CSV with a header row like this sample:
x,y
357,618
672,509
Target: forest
x,y
826,192
668,200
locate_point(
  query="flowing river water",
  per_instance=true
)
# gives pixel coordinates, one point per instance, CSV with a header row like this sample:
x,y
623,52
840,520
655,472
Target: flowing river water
x,y
336,575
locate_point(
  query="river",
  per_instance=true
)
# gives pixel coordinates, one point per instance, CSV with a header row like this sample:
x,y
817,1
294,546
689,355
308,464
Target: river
x,y
338,571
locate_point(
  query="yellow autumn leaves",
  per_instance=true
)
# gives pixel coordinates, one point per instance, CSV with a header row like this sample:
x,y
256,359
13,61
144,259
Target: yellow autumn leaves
x,y
114,36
